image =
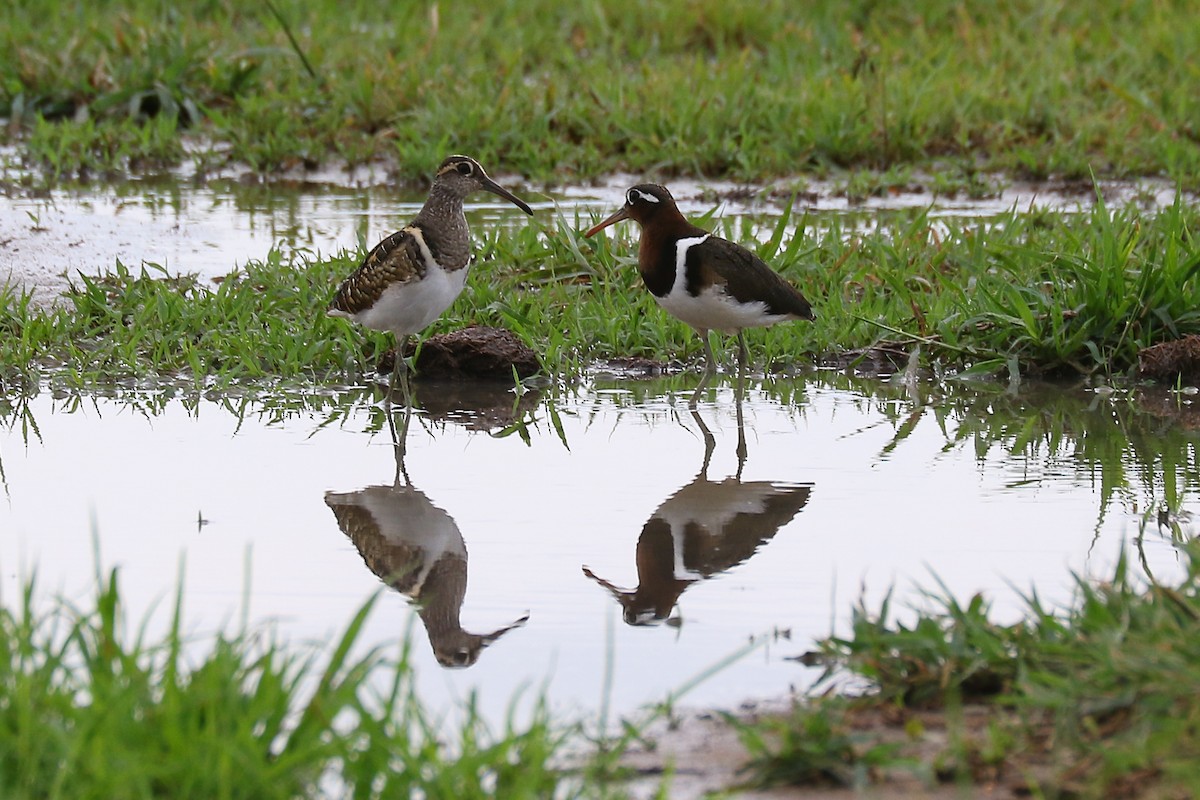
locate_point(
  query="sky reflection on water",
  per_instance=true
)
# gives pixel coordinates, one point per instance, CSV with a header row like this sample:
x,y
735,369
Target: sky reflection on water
x,y
873,486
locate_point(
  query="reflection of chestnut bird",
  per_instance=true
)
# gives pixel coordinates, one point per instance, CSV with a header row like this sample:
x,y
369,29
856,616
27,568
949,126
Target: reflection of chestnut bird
x,y
416,548
705,528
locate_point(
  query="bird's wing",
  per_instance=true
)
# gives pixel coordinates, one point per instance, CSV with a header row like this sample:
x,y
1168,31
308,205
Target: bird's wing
x,y
397,259
747,277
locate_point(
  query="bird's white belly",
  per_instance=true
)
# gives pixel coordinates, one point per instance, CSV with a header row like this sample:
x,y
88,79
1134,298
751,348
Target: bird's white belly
x,y
712,309
410,307
715,310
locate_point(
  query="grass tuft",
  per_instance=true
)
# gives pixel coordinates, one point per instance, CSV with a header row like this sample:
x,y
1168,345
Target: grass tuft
x,y
1088,702
88,711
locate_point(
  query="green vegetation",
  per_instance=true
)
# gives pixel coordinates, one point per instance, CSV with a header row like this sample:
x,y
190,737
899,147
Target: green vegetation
x,y
563,92
89,711
1099,701
1021,294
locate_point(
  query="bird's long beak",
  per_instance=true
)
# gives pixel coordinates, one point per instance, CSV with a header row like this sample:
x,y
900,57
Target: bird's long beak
x,y
489,185
621,213
488,638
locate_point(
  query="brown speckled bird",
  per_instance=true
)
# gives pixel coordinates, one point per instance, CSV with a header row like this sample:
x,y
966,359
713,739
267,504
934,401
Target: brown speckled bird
x,y
412,276
705,281
417,549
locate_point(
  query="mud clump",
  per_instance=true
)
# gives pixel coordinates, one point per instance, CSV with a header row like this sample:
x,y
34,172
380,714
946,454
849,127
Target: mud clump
x,y
476,353
1178,360
477,405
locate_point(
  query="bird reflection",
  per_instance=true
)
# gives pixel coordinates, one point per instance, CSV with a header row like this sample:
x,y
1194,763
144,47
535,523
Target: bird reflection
x,y
417,549
706,528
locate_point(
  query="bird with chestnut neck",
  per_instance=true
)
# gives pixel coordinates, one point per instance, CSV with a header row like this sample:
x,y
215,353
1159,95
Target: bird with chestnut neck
x,y
710,283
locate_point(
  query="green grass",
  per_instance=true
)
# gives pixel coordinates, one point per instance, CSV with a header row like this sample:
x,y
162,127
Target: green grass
x,y
565,92
89,710
1019,294
1097,701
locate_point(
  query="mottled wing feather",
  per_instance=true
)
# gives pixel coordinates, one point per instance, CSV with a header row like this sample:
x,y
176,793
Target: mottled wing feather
x,y
397,259
395,564
747,277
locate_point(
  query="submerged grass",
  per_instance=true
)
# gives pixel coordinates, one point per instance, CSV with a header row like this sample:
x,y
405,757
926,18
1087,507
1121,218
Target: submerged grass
x,y
1041,293
564,92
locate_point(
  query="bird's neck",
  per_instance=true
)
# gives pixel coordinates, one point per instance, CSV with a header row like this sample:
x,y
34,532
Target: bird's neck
x,y
444,226
443,208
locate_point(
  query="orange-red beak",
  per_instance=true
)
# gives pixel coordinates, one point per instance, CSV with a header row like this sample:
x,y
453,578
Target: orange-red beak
x,y
622,213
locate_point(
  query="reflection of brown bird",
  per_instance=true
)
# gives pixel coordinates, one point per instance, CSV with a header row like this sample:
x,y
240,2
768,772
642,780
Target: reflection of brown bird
x,y
416,548
705,528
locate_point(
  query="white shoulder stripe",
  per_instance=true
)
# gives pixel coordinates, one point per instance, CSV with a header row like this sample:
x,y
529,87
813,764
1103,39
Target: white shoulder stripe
x,y
426,254
681,248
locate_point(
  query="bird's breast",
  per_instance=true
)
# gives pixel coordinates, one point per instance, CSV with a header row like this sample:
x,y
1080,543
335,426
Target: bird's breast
x,y
406,308
664,263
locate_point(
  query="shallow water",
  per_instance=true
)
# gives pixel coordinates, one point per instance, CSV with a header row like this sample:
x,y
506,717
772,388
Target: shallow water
x,y
549,520
212,229
849,489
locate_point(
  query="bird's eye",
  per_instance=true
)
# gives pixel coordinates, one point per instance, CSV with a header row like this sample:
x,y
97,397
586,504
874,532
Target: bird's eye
x,y
638,196
465,168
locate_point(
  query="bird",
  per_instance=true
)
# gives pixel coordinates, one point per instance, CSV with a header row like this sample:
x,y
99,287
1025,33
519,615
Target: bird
x,y
708,282
416,548
703,530
416,273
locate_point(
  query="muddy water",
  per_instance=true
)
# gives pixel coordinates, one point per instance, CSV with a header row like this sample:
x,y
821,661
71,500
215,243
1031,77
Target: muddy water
x,y
536,531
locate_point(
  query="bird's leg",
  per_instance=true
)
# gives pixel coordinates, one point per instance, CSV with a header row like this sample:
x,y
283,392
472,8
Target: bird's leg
x,y
710,442
399,438
741,424
710,367
700,387
398,445
741,351
400,373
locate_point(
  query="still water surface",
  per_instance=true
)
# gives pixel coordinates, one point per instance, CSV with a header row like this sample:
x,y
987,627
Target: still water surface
x,y
585,509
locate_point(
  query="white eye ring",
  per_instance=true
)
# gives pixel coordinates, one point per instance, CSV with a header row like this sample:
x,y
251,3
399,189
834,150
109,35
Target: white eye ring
x,y
633,195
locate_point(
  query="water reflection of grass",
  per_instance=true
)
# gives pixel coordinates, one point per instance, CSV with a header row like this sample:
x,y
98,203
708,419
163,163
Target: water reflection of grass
x,y
1137,447
1134,446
